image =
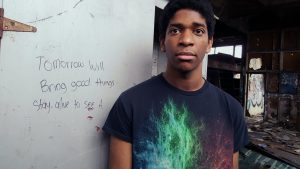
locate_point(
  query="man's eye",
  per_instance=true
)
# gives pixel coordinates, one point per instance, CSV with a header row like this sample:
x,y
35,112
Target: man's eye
x,y
174,31
199,31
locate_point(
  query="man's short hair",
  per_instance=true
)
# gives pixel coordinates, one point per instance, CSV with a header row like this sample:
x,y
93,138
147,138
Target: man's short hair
x,y
204,7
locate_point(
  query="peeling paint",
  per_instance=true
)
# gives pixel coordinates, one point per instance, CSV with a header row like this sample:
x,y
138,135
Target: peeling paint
x,y
255,101
255,63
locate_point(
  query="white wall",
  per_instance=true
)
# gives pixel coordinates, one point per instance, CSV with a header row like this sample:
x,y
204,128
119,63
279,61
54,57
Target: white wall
x,y
43,129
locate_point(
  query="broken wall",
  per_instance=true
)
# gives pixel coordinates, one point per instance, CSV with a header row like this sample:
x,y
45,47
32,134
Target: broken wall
x,y
275,56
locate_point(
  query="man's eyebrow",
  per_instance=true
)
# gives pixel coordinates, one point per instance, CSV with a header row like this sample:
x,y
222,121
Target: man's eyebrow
x,y
179,25
196,24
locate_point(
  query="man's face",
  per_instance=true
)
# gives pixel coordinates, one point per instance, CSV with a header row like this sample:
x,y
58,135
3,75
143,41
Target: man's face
x,y
186,41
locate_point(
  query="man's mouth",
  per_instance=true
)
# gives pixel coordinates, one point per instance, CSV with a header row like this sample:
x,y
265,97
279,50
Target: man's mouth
x,y
186,56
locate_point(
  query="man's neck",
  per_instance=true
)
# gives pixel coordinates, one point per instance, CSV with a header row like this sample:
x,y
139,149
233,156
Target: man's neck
x,y
187,81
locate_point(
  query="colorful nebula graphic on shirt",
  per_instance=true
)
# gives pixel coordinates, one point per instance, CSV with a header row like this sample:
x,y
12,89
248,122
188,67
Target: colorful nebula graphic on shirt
x,y
175,143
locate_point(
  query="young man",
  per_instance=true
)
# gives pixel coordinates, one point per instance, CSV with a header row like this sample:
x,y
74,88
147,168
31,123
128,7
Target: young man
x,y
177,120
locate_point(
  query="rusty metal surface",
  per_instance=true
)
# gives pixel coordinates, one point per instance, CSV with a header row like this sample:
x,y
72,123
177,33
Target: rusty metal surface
x,y
291,39
271,104
1,21
7,24
259,41
11,25
298,86
288,83
284,108
291,61
272,82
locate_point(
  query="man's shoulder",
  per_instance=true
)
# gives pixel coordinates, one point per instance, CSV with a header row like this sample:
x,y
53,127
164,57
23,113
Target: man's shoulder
x,y
143,88
224,96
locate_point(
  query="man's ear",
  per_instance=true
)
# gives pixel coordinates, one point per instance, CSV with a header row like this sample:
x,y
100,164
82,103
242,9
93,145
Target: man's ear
x,y
162,44
210,43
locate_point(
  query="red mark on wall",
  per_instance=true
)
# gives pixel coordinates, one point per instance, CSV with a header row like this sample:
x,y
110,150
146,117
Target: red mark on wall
x,y
98,129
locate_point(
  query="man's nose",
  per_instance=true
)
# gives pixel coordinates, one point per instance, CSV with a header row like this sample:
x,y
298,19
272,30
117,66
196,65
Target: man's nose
x,y
186,38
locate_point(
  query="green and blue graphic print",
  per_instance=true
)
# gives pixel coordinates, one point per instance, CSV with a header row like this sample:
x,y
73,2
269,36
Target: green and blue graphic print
x,y
174,141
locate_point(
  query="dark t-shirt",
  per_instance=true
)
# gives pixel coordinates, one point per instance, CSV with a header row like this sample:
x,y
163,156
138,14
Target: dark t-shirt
x,y
174,129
